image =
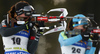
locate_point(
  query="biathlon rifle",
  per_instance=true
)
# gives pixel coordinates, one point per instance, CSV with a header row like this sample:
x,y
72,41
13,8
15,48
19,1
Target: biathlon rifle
x,y
62,18
53,19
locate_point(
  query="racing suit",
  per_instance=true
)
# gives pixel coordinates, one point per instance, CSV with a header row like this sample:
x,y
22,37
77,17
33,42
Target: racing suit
x,y
17,40
75,45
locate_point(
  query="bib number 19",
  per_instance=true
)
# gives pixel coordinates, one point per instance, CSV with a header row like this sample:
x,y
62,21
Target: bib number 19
x,y
16,40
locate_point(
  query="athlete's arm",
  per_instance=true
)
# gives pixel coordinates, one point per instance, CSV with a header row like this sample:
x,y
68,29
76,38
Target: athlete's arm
x,y
8,31
33,42
64,41
91,50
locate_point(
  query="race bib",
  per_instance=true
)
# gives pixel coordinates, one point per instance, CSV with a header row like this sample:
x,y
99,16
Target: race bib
x,y
72,50
15,43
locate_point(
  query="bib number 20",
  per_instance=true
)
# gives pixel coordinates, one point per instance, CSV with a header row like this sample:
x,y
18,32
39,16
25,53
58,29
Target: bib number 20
x,y
76,50
16,40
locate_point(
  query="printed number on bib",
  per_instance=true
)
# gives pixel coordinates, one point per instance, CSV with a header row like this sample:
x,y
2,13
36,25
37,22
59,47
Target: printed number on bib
x,y
16,40
76,50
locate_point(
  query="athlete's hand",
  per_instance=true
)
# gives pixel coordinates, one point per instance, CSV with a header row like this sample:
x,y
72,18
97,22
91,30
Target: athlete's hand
x,y
85,35
95,37
40,31
29,25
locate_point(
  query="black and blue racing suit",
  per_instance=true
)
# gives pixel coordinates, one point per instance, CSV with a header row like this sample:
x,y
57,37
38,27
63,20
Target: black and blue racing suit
x,y
17,40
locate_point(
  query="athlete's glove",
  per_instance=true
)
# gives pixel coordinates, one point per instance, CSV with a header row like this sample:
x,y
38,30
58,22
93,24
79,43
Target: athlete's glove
x,y
40,31
29,25
85,35
95,37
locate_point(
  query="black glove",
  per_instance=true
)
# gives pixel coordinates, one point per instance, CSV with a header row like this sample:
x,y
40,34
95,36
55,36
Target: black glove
x,y
85,35
40,31
29,25
95,37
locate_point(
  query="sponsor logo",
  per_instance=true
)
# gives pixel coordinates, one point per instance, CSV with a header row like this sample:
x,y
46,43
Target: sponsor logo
x,y
86,35
79,43
16,53
24,33
96,30
57,29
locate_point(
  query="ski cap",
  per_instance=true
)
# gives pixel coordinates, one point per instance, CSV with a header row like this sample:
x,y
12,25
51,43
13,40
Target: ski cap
x,y
79,21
